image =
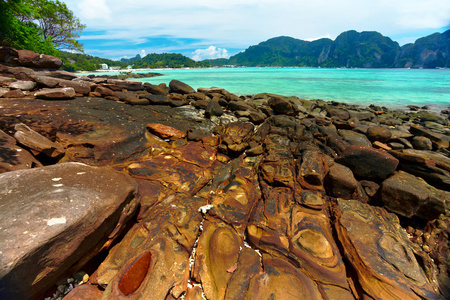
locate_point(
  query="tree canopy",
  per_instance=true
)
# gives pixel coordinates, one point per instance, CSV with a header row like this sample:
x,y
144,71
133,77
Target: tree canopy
x,y
39,25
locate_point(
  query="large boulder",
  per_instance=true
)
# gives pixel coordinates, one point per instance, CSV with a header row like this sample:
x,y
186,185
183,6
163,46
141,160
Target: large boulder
x,y
368,163
408,195
56,218
13,157
56,94
179,87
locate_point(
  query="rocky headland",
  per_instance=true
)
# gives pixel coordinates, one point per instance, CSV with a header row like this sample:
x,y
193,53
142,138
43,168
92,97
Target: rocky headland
x,y
114,189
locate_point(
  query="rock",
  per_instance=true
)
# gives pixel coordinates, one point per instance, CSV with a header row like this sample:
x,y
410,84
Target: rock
x,y
377,133
23,85
61,74
257,117
354,138
179,87
380,252
338,113
56,94
440,140
213,109
63,216
235,136
340,182
166,132
20,73
3,91
282,107
13,157
32,59
81,87
422,143
368,163
126,84
156,89
407,195
85,292
37,142
104,91
431,166
312,170
14,94
239,106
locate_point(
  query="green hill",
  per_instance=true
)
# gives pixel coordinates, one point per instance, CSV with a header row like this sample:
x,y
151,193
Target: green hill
x,y
352,49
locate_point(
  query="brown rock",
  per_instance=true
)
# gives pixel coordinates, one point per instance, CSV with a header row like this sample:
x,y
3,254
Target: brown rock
x,y
378,133
235,136
312,170
340,182
85,292
422,143
104,91
385,260
179,87
32,59
126,84
56,94
217,254
14,94
37,142
66,214
22,85
408,195
13,157
155,89
368,163
164,131
282,106
20,73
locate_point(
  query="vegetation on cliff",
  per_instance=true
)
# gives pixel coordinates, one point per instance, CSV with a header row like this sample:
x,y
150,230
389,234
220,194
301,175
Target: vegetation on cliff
x,y
352,49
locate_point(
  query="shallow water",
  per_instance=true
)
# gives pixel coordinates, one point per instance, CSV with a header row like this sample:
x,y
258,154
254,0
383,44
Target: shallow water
x,y
393,88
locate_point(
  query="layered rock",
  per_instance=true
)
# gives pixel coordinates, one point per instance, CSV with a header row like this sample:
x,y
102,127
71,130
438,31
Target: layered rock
x,y
249,197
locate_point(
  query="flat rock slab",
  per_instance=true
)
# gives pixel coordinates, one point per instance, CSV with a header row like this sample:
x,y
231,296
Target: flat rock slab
x,y
53,217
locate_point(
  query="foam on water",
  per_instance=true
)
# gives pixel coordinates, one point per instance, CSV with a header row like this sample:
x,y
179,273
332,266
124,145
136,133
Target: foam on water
x,y
393,88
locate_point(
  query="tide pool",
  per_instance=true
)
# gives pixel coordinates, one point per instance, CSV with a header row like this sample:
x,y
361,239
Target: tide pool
x,y
393,88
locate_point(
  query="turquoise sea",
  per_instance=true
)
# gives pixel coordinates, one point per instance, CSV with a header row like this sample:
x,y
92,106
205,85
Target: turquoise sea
x,y
393,88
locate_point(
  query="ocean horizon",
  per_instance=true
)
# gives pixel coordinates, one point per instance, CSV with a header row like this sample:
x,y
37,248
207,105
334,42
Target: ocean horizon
x,y
393,88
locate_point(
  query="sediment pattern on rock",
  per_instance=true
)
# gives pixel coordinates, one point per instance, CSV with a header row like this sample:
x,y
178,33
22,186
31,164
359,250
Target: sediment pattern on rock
x,y
251,197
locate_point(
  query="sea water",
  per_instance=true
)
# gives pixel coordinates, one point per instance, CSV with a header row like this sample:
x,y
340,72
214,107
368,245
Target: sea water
x,y
394,88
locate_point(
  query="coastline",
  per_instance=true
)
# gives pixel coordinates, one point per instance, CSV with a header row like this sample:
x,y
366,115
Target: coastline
x,y
177,175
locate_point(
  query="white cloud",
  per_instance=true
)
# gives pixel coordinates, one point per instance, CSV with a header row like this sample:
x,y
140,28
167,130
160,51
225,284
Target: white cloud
x,y
210,53
143,53
239,24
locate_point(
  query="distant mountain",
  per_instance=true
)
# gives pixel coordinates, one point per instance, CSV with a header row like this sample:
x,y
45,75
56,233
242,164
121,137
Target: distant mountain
x,y
170,60
129,60
352,49
83,62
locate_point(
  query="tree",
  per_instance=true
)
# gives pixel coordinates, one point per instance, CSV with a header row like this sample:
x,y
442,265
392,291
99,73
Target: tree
x,y
39,25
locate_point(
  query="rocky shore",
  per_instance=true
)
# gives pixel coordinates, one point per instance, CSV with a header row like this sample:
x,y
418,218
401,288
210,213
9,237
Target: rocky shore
x,y
114,189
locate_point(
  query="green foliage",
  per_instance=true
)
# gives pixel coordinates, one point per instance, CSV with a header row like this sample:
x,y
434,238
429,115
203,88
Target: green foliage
x,y
167,60
39,25
82,62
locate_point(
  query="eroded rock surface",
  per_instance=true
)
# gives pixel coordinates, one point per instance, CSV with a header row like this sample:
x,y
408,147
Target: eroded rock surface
x,y
250,197
57,217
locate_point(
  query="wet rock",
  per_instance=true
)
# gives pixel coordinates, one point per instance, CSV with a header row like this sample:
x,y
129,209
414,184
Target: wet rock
x,y
179,87
66,214
37,142
380,252
338,113
368,163
13,157
407,195
56,94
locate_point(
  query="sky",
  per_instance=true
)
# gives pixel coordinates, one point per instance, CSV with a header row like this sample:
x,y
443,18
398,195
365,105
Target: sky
x,y
202,29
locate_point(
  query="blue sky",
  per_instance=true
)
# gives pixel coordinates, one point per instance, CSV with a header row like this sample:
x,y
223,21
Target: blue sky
x,y
203,29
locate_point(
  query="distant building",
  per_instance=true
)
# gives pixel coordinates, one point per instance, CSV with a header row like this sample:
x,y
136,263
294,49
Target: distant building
x,y
104,67
115,68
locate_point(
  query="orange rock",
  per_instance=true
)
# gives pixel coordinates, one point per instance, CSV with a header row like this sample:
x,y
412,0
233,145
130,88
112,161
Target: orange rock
x,y
165,132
